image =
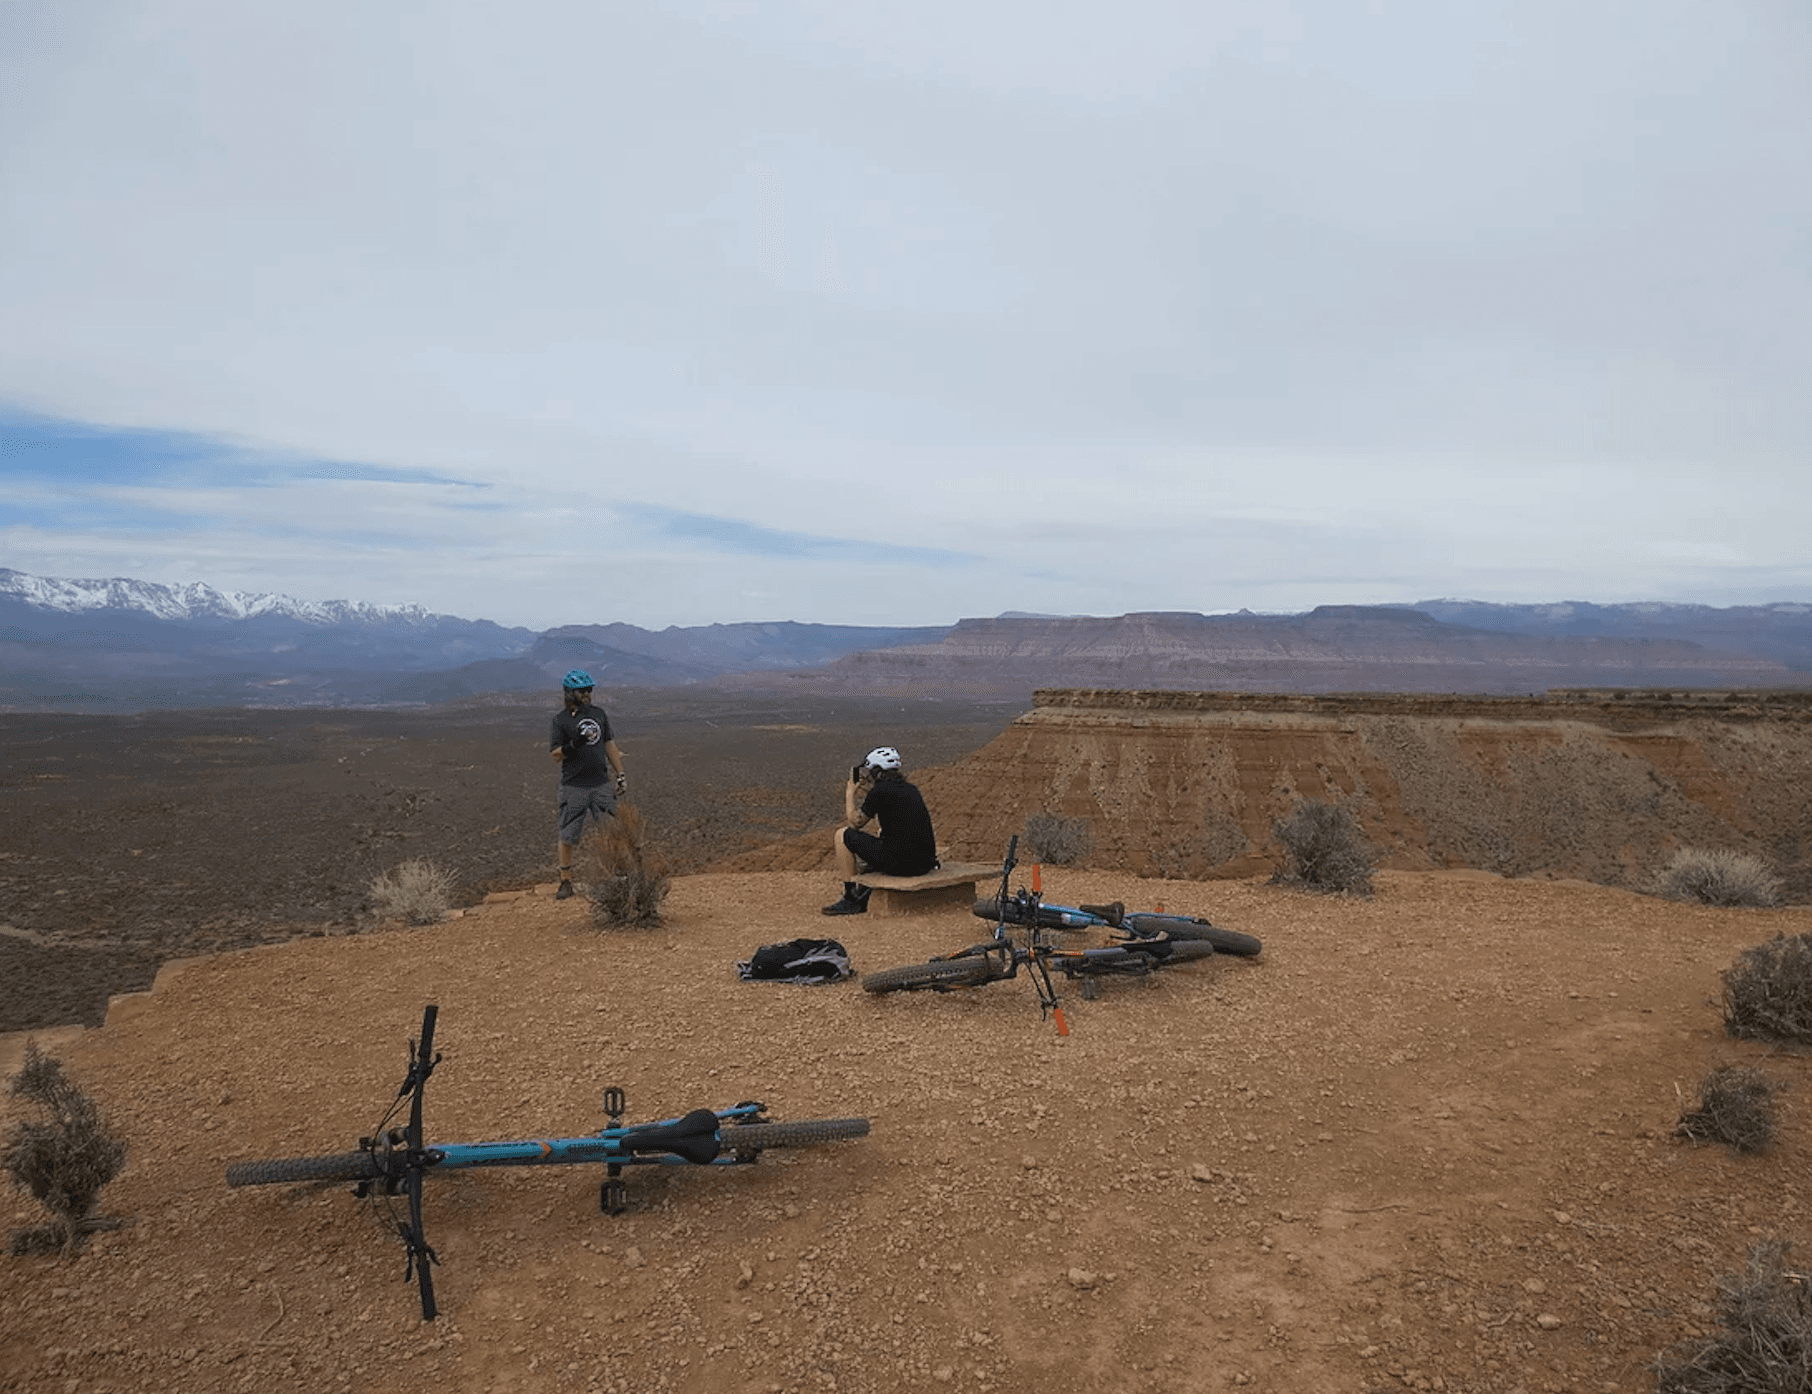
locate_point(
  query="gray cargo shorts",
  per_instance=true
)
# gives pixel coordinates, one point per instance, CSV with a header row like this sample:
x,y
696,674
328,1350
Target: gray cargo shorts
x,y
578,804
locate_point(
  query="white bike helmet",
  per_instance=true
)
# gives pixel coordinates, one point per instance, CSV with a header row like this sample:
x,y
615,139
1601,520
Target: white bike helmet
x,y
883,757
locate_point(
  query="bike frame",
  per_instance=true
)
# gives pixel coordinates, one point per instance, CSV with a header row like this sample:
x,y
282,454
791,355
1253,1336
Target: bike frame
x,y
609,1145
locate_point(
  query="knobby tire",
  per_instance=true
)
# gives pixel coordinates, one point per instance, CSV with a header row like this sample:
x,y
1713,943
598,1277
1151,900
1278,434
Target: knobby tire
x,y
1226,941
1186,951
348,1166
806,1132
954,972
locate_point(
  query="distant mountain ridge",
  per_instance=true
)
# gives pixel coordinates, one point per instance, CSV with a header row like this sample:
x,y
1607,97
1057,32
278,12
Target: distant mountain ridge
x,y
193,601
88,645
1333,648
81,645
1781,631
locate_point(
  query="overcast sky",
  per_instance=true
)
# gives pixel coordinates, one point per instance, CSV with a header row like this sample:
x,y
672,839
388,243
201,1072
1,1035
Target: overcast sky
x,y
679,312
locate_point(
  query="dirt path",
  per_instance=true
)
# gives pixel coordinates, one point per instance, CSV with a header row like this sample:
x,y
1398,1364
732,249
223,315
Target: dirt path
x,y
1422,1142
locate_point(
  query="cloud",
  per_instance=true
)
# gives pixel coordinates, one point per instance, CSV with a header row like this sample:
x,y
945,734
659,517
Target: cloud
x,y
1166,306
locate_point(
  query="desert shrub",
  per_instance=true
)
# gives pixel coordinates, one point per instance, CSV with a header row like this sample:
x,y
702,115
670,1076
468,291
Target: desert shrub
x,y
1324,850
1058,841
623,879
1719,878
1765,1346
417,892
1735,1107
63,1158
1768,990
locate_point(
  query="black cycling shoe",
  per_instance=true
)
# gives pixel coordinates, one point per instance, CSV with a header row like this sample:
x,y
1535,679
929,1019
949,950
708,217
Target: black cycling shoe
x,y
565,892
854,902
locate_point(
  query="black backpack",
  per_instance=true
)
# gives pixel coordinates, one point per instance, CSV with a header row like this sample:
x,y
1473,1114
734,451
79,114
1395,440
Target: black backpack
x,y
798,961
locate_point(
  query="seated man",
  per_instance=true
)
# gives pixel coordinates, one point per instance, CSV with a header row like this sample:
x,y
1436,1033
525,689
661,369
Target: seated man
x,y
906,845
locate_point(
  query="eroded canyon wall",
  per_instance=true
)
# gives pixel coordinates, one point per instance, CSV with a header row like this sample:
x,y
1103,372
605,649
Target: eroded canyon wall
x,y
1601,786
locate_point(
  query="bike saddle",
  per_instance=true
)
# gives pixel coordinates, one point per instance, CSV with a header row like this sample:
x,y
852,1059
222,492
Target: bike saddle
x,y
691,1139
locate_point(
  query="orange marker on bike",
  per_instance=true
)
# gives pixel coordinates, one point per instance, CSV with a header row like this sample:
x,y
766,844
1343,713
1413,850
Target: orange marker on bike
x,y
1037,884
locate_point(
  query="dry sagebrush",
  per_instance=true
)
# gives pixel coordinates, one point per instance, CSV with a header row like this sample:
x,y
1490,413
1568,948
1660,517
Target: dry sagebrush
x,y
623,879
1058,841
1768,991
1736,1108
1324,850
417,892
1704,877
63,1158
1765,1346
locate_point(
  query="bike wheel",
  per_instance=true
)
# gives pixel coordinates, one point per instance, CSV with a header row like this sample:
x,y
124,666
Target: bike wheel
x,y
1226,941
950,972
806,1132
348,1166
1186,951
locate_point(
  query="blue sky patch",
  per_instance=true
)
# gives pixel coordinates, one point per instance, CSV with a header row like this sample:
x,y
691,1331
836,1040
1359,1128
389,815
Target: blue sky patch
x,y
748,539
79,453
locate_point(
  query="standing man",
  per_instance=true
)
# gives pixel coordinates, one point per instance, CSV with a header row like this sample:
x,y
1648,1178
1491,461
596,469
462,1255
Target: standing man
x,y
580,743
906,845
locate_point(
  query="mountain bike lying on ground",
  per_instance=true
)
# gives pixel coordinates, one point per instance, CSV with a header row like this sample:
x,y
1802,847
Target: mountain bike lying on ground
x,y
1144,942
394,1161
1135,925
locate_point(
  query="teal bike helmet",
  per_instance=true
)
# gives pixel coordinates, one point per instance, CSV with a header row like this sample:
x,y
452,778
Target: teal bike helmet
x,y
576,679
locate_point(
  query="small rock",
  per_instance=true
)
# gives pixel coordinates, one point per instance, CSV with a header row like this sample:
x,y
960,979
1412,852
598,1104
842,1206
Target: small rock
x,y
744,1275
1534,1285
632,1256
1081,1279
1547,1321
1199,1172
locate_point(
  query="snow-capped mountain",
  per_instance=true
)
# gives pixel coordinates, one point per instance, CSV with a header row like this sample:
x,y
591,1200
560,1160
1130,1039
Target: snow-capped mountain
x,y
121,643
196,600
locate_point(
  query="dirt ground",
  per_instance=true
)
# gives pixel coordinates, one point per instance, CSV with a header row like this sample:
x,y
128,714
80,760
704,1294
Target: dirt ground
x,y
1423,1141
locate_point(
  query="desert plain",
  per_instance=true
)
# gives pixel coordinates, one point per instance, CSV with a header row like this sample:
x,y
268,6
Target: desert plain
x,y
1425,1140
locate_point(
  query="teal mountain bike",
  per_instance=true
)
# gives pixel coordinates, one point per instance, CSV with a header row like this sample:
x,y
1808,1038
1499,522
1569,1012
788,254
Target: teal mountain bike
x,y
394,1161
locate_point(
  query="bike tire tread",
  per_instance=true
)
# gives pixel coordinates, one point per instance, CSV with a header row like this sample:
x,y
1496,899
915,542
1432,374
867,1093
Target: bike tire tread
x,y
346,1166
947,973
802,1132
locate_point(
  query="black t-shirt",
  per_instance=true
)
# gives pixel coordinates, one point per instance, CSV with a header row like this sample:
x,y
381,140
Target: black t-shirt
x,y
583,733
905,822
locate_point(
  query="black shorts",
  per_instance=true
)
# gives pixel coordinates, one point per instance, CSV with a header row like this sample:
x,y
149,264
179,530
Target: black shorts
x,y
871,855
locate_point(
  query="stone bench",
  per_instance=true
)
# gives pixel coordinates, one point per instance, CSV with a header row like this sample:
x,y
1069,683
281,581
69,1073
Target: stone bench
x,y
951,884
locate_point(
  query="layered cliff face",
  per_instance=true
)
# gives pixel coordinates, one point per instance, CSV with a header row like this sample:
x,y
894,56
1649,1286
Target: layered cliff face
x,y
1332,649
1603,787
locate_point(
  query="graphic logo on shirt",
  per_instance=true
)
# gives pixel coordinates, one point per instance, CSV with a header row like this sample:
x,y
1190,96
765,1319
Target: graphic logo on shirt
x,y
589,731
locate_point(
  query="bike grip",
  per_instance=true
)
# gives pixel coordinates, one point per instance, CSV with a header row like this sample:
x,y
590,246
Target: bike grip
x,y
1063,1026
429,1013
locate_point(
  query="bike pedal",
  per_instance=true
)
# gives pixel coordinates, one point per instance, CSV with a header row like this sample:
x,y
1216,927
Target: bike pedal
x,y
613,1197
